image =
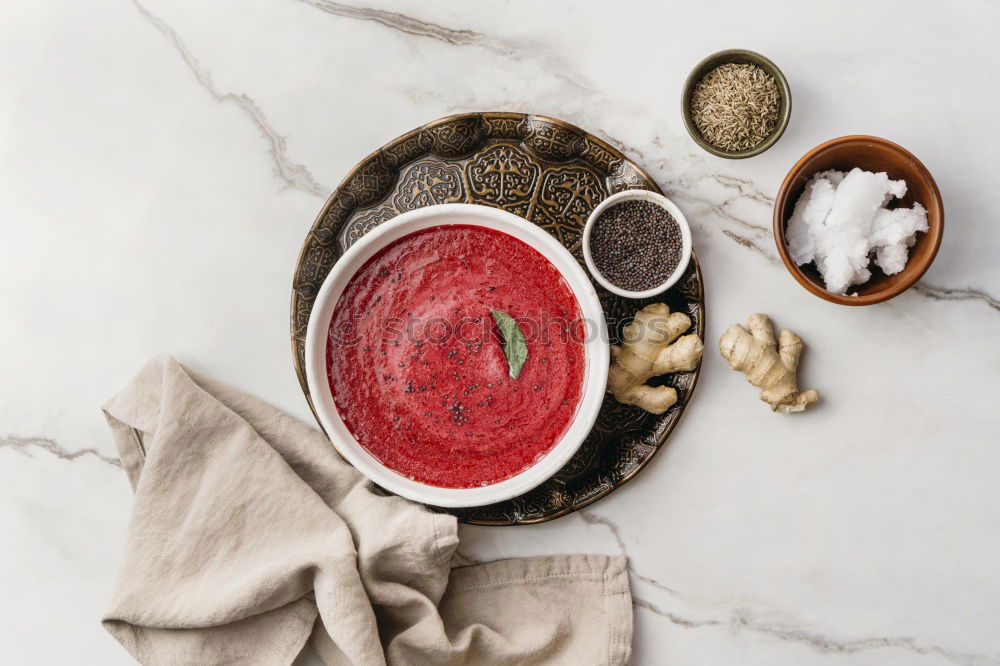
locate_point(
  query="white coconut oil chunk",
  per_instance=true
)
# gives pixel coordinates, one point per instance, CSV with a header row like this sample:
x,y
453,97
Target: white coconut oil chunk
x,y
841,223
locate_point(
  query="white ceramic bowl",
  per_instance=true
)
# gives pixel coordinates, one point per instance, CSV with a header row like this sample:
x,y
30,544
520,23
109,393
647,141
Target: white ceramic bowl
x,y
596,352
662,202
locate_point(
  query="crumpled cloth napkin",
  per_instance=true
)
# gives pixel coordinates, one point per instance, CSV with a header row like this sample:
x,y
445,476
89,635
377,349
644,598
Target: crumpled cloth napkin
x,y
249,536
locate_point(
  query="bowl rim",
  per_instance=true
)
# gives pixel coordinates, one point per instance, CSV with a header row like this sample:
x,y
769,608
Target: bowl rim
x,y
596,352
702,68
659,200
935,231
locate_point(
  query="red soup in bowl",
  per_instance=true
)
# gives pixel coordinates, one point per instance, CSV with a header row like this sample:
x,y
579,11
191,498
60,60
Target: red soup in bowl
x,y
416,362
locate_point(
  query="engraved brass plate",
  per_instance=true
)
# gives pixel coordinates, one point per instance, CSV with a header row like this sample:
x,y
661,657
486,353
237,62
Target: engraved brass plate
x,y
553,174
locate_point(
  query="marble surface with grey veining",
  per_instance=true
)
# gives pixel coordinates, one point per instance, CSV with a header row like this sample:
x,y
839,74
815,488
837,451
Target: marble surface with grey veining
x,y
162,161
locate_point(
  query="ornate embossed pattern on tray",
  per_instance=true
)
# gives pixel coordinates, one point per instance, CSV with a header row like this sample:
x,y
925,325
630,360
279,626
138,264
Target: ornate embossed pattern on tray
x,y
553,174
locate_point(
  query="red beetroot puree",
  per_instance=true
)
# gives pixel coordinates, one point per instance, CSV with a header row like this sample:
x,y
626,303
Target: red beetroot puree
x,y
416,365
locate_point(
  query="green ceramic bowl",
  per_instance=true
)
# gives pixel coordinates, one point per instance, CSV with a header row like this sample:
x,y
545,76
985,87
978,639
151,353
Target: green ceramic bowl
x,y
739,56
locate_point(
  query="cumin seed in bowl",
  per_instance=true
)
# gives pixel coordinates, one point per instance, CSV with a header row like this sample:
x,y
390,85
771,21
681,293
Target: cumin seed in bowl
x,y
736,104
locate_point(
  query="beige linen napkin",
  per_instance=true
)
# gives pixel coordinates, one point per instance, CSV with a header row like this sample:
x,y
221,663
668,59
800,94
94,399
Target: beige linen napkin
x,y
249,535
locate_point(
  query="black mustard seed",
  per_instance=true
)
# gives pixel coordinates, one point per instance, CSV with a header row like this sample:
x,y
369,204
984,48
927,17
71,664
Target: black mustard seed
x,y
636,245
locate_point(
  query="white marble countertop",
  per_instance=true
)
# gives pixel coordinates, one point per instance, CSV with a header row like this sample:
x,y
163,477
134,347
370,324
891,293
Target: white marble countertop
x,y
162,161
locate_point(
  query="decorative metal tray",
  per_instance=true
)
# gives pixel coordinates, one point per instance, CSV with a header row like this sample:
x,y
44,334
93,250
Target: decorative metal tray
x,y
553,174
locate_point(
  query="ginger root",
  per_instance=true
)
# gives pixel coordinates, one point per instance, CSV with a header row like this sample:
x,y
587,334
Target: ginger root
x,y
650,347
770,368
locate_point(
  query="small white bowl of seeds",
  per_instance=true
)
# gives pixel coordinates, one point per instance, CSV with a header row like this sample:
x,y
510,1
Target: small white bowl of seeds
x,y
637,244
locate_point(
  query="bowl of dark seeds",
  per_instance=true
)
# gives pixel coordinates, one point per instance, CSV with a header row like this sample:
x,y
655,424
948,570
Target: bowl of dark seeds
x,y
736,103
637,243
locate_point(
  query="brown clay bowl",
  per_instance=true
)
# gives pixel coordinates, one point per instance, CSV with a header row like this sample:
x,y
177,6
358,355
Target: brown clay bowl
x,y
872,154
